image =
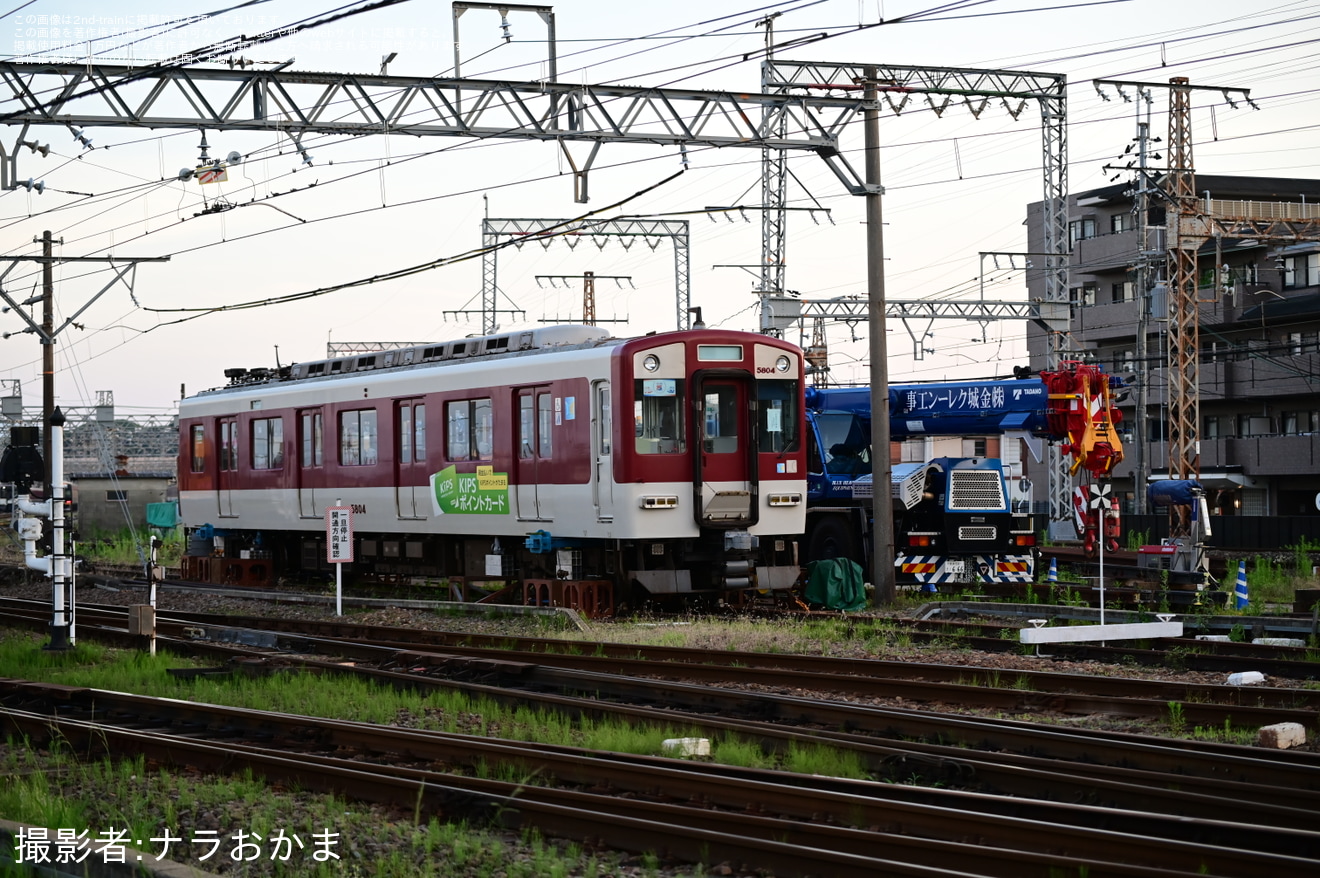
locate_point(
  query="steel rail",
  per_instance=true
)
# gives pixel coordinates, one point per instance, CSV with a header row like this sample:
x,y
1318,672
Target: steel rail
x,y
936,763
1208,656
516,808
875,669
1183,762
1029,685
761,791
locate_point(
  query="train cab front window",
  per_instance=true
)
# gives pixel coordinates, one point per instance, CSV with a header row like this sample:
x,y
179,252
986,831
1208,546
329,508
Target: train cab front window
x,y
658,413
719,428
777,415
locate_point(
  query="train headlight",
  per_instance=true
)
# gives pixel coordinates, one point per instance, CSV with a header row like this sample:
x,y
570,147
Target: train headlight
x,y
651,363
783,364
785,499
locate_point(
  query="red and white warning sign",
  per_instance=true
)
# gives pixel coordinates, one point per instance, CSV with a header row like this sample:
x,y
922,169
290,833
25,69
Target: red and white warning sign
x,y
212,175
339,534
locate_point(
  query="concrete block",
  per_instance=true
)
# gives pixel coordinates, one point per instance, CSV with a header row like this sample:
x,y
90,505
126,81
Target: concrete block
x,y
686,746
1215,638
1246,678
1278,641
1281,736
1080,633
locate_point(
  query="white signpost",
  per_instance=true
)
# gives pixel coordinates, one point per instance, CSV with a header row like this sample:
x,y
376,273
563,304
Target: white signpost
x,y
339,547
1100,499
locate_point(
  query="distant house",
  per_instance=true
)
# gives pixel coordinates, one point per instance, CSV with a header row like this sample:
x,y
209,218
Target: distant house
x,y
108,501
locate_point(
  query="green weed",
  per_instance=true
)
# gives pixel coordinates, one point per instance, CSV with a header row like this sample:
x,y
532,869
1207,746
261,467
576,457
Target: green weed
x,y
1177,721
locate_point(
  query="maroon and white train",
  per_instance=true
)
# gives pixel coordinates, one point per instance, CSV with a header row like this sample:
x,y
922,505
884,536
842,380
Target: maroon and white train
x,y
582,469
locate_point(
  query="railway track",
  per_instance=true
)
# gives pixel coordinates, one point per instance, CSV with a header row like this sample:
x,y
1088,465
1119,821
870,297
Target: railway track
x,y
981,633
1122,778
1021,692
895,743
791,824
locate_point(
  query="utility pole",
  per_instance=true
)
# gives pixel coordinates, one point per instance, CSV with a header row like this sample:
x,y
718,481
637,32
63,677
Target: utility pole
x,y
47,350
58,565
882,506
1142,288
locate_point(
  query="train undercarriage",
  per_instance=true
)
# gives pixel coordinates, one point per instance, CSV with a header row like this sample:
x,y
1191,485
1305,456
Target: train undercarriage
x,y
596,577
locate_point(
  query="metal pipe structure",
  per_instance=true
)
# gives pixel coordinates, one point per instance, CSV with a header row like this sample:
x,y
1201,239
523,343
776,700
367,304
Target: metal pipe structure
x,y
56,564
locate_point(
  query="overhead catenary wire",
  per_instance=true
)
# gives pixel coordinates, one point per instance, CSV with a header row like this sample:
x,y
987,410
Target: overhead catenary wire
x,y
1024,171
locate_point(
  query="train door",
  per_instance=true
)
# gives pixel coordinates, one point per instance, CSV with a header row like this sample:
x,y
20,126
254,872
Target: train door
x,y
311,458
602,442
725,455
535,453
410,476
227,471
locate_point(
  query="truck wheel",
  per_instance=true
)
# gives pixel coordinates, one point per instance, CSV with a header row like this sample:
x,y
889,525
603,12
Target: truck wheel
x,y
831,537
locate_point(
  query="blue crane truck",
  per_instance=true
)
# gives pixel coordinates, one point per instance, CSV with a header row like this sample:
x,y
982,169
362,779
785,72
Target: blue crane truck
x,y
954,519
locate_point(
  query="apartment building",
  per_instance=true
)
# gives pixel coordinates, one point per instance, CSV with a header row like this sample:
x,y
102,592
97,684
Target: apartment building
x,y
1259,337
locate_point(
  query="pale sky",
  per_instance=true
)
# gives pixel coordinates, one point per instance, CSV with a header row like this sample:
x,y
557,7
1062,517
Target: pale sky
x,y
956,185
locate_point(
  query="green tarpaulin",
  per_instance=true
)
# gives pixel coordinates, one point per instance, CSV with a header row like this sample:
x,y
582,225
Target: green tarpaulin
x,y
162,514
836,584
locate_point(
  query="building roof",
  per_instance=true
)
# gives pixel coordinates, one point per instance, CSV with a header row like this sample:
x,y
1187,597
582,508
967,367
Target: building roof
x,y
1219,186
144,467
1274,309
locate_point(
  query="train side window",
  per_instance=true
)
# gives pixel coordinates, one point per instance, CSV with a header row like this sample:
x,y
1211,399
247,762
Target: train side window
x,y
312,441
458,416
229,445
412,432
526,426
198,448
268,443
483,429
419,432
544,421
357,437
470,429
606,425
405,434
658,416
777,415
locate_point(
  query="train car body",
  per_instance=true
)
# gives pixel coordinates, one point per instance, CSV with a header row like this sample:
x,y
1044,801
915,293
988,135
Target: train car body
x,y
511,458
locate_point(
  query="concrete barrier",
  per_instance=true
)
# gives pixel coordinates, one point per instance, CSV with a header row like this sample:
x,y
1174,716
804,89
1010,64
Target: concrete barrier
x,y
1080,633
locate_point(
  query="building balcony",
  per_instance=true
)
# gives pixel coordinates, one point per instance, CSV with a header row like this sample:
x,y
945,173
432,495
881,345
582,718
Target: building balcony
x,y
1264,455
1113,252
1271,373
1112,320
